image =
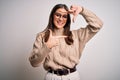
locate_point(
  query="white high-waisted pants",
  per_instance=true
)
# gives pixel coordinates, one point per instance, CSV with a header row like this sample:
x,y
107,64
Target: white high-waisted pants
x,y
71,76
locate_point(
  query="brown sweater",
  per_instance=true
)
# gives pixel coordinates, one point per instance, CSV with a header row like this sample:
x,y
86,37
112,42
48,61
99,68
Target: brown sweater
x,y
64,55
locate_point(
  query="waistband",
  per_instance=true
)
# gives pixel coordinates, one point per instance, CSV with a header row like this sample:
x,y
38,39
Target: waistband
x,y
61,72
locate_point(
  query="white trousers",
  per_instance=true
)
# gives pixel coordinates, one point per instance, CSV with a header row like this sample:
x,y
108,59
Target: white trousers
x,y
72,76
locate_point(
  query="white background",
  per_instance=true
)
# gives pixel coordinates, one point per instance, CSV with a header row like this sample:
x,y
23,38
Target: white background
x,y
21,20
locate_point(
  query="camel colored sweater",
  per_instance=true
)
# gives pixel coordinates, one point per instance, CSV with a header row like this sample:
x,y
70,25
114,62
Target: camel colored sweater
x,y
65,55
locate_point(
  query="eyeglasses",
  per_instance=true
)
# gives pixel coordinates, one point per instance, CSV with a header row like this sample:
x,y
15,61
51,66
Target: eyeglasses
x,y
58,15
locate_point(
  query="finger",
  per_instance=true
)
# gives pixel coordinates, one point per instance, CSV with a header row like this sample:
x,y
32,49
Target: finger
x,y
71,11
75,15
72,6
74,18
60,37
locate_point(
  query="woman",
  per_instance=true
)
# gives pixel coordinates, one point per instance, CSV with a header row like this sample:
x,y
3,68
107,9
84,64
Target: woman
x,y
60,49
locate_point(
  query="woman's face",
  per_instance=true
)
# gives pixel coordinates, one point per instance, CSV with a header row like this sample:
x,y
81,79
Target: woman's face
x,y
60,18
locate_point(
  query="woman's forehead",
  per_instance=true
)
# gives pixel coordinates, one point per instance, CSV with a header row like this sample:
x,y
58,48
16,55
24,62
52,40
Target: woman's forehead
x,y
61,10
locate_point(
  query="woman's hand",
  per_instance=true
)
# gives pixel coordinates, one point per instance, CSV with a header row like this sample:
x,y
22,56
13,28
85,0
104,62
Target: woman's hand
x,y
75,10
53,40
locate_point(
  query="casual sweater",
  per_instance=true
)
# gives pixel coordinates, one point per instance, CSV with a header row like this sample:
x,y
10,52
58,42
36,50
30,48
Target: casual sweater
x,y
64,55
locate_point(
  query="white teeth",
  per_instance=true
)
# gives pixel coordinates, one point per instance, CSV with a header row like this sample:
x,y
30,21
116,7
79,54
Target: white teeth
x,y
60,23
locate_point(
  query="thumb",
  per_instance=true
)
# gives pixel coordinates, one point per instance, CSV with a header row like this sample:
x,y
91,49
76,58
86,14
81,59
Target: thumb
x,y
75,15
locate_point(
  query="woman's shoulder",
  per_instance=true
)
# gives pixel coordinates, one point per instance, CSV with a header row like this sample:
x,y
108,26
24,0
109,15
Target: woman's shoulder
x,y
41,34
76,32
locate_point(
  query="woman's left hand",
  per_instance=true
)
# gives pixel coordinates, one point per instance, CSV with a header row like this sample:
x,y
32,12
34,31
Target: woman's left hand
x,y
75,10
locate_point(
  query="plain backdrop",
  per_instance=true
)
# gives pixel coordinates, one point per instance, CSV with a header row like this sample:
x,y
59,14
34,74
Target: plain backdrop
x,y
21,20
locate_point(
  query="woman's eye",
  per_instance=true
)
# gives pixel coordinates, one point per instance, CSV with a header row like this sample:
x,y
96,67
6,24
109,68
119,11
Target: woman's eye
x,y
58,15
64,16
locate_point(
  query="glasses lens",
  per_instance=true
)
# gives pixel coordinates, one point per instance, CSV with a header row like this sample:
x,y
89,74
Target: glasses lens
x,y
58,15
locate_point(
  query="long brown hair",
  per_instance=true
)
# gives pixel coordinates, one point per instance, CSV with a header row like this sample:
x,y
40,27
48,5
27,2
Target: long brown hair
x,y
67,32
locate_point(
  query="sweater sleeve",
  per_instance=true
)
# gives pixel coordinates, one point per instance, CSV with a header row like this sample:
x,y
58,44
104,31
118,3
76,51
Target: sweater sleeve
x,y
94,25
39,51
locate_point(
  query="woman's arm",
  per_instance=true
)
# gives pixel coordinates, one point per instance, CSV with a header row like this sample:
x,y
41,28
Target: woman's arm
x,y
39,52
94,23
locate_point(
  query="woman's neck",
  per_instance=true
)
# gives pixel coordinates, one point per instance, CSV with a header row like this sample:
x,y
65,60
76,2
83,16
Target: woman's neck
x,y
58,32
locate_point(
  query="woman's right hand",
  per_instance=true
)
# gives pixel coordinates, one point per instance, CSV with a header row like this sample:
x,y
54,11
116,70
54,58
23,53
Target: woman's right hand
x,y
53,40
75,10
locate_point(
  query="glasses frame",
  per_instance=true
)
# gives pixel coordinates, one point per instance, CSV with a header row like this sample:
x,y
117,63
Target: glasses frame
x,y
58,15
